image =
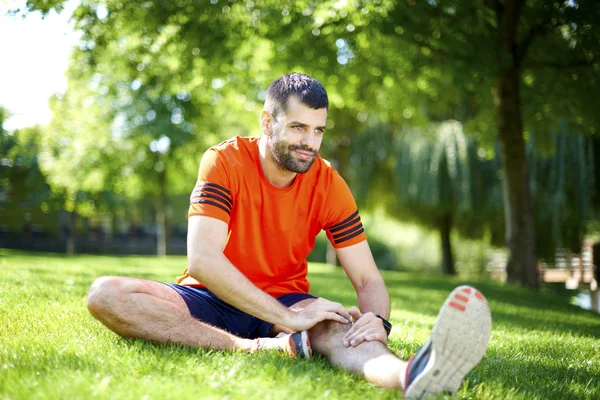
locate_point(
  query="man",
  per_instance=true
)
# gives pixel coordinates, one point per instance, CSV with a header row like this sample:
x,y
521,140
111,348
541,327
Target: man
x,y
256,209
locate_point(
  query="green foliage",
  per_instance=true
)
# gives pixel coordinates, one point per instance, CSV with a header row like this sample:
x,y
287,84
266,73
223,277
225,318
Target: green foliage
x,y
189,74
422,174
416,249
51,347
4,114
418,175
401,62
7,141
562,187
383,253
20,174
455,52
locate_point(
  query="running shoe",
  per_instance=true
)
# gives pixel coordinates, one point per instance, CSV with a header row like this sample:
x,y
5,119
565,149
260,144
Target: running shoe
x,y
294,344
299,345
457,343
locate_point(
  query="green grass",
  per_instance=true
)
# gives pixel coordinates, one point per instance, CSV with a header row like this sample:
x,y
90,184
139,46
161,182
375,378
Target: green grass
x,y
51,348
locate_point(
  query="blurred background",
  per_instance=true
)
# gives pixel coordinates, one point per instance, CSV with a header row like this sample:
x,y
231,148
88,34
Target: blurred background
x,y
467,130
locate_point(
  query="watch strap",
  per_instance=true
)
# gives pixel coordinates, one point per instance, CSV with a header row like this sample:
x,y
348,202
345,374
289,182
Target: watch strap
x,y
386,324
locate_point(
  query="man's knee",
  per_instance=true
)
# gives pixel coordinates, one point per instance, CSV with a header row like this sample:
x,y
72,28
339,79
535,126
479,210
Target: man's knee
x,y
327,329
326,338
103,292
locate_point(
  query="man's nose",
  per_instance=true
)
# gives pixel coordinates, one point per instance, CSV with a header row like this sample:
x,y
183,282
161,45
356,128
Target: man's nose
x,y
308,139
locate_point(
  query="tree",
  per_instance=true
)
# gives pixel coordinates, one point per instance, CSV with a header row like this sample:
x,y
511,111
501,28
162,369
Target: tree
x,y
435,177
78,160
441,179
534,62
90,150
23,185
504,68
7,142
157,82
123,122
562,184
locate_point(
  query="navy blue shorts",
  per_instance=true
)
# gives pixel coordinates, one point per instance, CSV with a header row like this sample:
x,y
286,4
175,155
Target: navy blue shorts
x,y
207,307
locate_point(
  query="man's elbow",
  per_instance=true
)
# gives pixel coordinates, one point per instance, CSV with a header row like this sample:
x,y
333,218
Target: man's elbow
x,y
199,263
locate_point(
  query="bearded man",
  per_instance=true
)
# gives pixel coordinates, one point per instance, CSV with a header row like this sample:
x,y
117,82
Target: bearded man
x,y
255,212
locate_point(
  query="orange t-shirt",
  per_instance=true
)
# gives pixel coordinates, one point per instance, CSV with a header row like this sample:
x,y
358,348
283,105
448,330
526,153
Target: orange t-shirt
x,y
272,230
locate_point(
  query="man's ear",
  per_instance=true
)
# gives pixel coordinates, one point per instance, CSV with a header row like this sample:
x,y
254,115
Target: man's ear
x,y
266,122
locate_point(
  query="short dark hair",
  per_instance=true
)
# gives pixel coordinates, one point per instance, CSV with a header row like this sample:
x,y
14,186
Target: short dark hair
x,y
309,91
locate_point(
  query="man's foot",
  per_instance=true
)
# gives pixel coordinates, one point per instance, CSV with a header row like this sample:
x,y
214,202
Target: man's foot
x,y
294,344
457,343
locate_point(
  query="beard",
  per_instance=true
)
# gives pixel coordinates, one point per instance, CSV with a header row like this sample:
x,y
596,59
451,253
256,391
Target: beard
x,y
283,154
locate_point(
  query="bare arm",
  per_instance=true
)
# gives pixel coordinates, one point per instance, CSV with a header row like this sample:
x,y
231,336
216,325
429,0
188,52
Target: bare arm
x,y
206,262
373,297
359,265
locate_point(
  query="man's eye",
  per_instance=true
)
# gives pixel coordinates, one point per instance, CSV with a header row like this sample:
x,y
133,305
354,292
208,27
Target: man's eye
x,y
319,131
298,127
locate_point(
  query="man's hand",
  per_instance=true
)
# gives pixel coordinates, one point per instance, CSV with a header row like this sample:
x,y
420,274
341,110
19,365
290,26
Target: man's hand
x,y
318,311
367,328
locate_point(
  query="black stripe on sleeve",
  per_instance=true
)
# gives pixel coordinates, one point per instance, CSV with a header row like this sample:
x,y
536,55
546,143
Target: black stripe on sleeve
x,y
197,197
210,184
349,231
355,234
213,204
221,196
344,221
354,221
214,188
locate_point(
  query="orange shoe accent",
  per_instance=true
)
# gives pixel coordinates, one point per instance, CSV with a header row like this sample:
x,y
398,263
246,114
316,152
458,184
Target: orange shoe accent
x,y
479,296
466,290
461,297
459,307
292,349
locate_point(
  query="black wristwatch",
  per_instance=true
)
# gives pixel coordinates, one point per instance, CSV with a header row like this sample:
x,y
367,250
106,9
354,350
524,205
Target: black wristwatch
x,y
386,324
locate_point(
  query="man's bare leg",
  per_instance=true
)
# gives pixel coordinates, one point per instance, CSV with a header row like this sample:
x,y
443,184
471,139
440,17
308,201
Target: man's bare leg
x,y
373,360
149,310
143,309
457,344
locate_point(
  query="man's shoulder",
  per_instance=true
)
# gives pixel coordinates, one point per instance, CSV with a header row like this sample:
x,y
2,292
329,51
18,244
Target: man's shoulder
x,y
236,144
323,175
235,151
324,171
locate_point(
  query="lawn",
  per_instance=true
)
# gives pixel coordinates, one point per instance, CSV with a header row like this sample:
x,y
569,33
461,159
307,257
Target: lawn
x,y
51,348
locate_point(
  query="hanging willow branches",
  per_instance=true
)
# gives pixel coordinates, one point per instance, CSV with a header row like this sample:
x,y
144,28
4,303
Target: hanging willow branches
x,y
440,172
562,185
424,173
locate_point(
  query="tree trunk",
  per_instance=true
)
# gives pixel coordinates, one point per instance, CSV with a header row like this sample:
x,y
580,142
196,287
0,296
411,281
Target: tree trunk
x,y
71,232
595,299
161,237
447,257
520,235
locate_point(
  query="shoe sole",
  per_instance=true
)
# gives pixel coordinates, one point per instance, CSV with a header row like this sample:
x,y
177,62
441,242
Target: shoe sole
x,y
300,345
459,340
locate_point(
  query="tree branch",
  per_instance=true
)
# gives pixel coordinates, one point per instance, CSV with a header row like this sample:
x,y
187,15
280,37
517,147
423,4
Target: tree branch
x,y
497,7
535,32
433,13
510,22
440,53
556,65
